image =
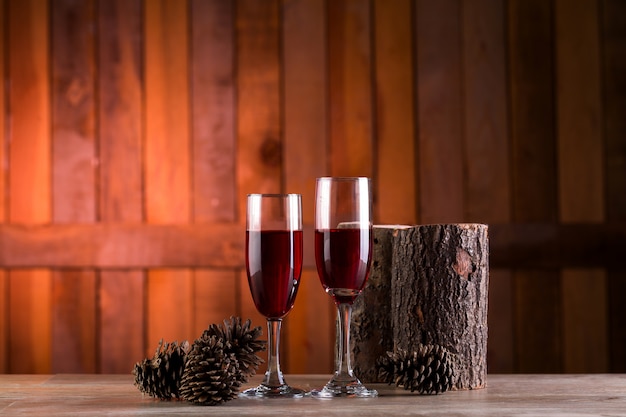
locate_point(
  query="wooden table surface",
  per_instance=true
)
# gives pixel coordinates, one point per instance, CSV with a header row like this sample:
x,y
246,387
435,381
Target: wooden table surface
x,y
506,395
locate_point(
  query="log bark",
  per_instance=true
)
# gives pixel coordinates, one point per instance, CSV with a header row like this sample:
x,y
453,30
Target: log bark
x,y
371,334
437,294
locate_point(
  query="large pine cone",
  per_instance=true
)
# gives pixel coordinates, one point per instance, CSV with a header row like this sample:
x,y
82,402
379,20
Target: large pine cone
x,y
241,341
160,376
212,375
429,370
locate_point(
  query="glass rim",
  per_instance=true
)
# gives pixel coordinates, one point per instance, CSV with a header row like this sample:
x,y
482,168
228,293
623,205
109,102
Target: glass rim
x,y
274,195
343,178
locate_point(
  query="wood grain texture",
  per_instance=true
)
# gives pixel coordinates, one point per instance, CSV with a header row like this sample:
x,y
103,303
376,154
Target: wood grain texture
x,y
29,185
396,166
581,177
212,62
613,20
488,177
74,330
213,152
501,342
487,154
73,178
538,319
121,293
73,111
121,321
131,131
4,295
214,297
440,118
167,136
350,88
305,99
123,245
259,141
220,245
532,118
585,325
308,343
120,86
614,93
579,112
260,148
511,395
167,144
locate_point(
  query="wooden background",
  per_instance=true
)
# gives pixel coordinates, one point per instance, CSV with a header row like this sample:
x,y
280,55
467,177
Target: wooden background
x,y
131,131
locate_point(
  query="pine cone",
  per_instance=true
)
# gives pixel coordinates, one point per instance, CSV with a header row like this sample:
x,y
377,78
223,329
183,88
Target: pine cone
x,y
241,341
212,375
429,370
160,376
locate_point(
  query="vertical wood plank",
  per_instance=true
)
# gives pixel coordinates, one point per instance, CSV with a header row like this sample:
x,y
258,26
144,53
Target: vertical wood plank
x,y
259,140
534,189
167,160
579,112
350,88
29,159
614,93
311,348
581,177
308,342
488,191
73,179
121,293
305,99
585,332
533,144
4,298
439,105
213,147
214,298
395,113
74,328
213,110
538,322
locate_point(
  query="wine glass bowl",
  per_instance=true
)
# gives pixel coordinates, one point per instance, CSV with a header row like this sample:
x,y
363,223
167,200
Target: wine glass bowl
x,y
273,267
343,250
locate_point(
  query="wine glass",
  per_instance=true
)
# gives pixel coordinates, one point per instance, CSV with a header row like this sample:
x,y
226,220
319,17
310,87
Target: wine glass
x,y
273,266
343,251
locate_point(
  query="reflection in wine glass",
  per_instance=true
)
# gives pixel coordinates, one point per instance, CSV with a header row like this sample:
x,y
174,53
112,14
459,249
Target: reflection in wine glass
x,y
274,265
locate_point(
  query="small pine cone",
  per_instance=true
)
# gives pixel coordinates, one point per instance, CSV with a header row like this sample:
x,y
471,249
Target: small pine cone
x,y
429,370
160,376
211,376
241,341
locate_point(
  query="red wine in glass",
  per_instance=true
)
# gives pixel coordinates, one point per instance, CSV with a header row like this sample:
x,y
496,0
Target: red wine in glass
x,y
343,248
274,262
343,257
273,266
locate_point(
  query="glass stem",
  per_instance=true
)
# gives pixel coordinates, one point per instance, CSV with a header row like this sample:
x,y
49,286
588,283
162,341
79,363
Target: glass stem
x,y
343,365
273,376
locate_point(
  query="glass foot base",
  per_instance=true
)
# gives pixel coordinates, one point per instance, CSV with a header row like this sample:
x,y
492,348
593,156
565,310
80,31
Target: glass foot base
x,y
265,391
349,389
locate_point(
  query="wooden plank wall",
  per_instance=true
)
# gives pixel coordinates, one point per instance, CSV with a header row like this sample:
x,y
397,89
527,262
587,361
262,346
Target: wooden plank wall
x,y
132,130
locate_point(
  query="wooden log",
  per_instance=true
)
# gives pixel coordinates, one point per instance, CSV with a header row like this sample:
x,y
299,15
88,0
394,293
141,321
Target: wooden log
x,y
430,285
371,334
